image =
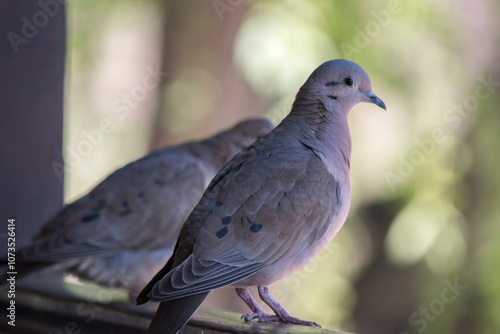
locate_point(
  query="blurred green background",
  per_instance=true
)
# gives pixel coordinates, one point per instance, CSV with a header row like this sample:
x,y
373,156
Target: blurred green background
x,y
419,251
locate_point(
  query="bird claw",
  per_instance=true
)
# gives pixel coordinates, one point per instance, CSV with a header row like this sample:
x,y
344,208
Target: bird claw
x,y
297,321
262,317
265,317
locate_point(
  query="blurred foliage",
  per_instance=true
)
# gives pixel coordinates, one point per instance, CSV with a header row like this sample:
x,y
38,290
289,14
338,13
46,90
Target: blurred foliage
x,y
437,162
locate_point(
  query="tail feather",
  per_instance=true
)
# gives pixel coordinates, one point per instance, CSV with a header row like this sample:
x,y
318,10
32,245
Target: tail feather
x,y
143,296
172,315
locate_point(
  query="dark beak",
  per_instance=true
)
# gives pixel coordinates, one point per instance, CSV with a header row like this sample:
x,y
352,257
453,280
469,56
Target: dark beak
x,y
372,98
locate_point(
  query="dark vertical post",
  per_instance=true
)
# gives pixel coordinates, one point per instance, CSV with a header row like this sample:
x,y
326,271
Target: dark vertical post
x,y
32,53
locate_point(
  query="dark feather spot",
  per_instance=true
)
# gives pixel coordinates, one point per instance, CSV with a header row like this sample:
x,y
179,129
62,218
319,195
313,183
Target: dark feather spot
x,y
339,194
331,83
332,97
221,233
126,209
255,228
89,218
226,220
142,196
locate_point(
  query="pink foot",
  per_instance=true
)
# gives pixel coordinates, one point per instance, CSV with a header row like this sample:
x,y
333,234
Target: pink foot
x,y
258,312
280,311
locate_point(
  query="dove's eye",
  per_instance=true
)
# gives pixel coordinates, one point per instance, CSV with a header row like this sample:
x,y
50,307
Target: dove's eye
x,y
348,81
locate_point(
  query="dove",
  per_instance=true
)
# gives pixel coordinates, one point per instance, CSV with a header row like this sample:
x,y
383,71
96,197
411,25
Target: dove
x,y
271,209
122,231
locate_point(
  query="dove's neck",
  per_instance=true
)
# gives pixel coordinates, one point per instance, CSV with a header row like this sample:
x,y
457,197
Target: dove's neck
x,y
324,131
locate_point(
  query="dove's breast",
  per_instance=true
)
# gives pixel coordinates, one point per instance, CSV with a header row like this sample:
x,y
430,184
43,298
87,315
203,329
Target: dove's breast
x,y
311,246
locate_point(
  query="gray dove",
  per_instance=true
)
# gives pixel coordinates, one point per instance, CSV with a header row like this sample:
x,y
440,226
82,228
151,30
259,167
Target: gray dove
x,y
122,232
271,209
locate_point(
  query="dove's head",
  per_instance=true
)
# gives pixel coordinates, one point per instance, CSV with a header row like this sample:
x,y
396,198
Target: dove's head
x,y
341,83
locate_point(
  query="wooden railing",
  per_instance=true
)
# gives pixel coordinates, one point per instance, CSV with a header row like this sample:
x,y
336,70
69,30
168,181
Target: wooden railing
x,y
36,312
